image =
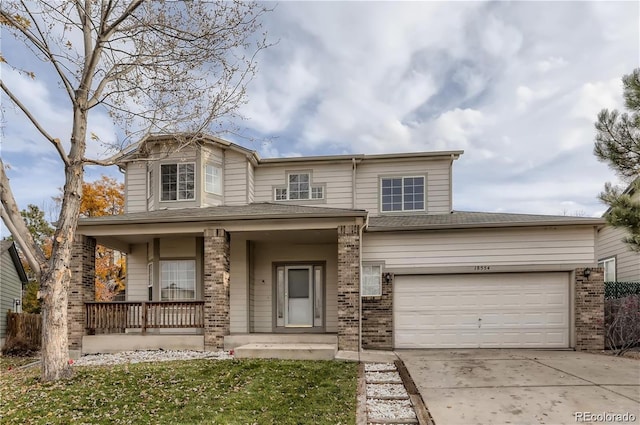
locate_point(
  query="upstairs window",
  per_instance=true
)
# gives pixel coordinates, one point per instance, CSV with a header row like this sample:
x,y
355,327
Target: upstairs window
x,y
298,187
213,179
402,194
609,265
177,182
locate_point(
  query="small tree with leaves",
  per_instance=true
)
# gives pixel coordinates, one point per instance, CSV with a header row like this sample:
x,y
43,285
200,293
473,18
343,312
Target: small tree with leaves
x,y
154,66
618,144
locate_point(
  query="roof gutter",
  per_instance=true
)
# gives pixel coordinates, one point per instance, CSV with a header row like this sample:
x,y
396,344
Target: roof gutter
x,y
595,222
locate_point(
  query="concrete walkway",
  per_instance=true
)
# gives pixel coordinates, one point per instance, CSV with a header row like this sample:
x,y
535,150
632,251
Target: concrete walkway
x,y
524,386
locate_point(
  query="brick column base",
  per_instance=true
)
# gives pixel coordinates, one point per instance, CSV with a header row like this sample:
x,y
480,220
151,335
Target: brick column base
x,y
589,309
348,287
216,288
81,288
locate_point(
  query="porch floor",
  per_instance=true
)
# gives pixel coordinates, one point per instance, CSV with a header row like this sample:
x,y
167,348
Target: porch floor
x,y
231,342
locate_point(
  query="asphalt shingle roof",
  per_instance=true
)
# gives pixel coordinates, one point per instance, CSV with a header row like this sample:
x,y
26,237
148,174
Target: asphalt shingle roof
x,y
463,219
263,210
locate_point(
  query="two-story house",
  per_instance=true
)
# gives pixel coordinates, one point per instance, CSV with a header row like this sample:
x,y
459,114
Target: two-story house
x,y
225,248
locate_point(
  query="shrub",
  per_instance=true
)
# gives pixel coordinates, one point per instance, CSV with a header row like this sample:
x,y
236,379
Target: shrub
x,y
622,323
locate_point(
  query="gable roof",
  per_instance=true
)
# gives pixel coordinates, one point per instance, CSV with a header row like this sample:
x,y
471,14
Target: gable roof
x,y
466,220
255,211
15,258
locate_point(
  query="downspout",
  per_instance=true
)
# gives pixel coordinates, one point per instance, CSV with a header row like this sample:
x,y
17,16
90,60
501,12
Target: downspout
x,y
361,231
353,183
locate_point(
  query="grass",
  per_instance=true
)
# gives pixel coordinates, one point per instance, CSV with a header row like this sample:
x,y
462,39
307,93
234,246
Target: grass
x,y
10,362
186,392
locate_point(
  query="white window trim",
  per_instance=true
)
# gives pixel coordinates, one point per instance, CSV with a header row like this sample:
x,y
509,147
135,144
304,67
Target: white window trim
x,y
362,275
424,193
195,179
150,281
603,263
149,183
219,167
287,188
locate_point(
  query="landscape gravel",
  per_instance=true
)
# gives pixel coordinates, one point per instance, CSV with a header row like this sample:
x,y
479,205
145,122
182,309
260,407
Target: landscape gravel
x,y
379,367
383,377
148,356
386,390
389,409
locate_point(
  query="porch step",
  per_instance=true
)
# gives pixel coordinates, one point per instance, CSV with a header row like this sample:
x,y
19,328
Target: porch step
x,y
286,351
233,341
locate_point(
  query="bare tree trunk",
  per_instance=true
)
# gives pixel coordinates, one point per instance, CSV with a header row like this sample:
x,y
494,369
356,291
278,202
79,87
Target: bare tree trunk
x,y
56,280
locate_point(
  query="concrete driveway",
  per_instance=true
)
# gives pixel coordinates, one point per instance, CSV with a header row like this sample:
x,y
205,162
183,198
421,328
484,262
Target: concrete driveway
x,y
524,386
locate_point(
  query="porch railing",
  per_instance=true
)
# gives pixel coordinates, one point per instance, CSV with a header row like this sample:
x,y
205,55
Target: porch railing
x,y
116,317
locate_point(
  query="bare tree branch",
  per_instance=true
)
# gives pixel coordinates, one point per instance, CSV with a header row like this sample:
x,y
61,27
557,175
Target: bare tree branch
x,y
34,121
16,225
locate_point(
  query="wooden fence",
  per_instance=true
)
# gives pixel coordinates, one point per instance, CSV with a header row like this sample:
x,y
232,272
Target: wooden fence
x,y
25,327
116,317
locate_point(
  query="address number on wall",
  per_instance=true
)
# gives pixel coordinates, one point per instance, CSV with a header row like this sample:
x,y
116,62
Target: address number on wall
x,y
481,268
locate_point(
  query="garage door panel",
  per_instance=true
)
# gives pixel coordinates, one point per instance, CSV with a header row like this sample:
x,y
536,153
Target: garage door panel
x,y
516,310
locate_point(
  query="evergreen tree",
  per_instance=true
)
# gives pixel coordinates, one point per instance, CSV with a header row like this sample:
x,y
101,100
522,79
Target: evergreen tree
x,y
618,144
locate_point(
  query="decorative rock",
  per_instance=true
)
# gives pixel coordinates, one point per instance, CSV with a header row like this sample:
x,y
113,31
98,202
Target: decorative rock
x,y
148,356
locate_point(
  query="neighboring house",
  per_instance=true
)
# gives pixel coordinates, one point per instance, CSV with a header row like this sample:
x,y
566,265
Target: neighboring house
x,y
232,248
12,279
620,263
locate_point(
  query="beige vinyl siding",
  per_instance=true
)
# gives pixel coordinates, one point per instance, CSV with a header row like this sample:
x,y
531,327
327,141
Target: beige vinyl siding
x,y
215,156
235,178
239,286
137,273
610,244
136,187
177,248
268,253
496,247
336,179
10,289
438,194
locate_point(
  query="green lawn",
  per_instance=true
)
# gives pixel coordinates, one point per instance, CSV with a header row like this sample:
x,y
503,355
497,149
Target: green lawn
x,y
186,392
9,362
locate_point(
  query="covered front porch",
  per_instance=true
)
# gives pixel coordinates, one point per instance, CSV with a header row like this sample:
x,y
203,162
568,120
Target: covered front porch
x,y
205,283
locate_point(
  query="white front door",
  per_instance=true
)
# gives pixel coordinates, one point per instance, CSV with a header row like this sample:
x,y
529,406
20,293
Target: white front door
x,y
298,296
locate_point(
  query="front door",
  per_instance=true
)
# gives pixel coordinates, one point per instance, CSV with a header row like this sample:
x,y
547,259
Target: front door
x,y
298,296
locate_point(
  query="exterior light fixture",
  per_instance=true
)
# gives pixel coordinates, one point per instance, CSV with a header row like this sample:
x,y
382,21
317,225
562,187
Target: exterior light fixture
x,y
587,272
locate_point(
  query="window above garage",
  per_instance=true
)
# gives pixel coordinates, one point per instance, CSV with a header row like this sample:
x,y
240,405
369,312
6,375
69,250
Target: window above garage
x,y
398,194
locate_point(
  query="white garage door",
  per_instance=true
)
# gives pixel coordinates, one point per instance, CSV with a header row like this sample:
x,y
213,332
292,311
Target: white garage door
x,y
505,310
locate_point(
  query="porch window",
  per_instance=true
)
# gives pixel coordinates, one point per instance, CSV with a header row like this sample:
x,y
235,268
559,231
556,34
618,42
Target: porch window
x,y
177,182
177,280
609,265
213,179
402,194
371,280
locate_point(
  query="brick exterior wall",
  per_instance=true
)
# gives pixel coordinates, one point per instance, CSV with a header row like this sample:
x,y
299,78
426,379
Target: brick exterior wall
x,y
348,287
216,288
81,287
589,309
377,319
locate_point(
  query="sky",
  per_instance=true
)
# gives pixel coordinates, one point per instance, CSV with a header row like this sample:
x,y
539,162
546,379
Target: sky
x,y
516,85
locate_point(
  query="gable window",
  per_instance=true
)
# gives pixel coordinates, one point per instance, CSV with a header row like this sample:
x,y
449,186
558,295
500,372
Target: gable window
x,y
371,280
213,179
402,194
177,182
177,280
298,187
609,265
